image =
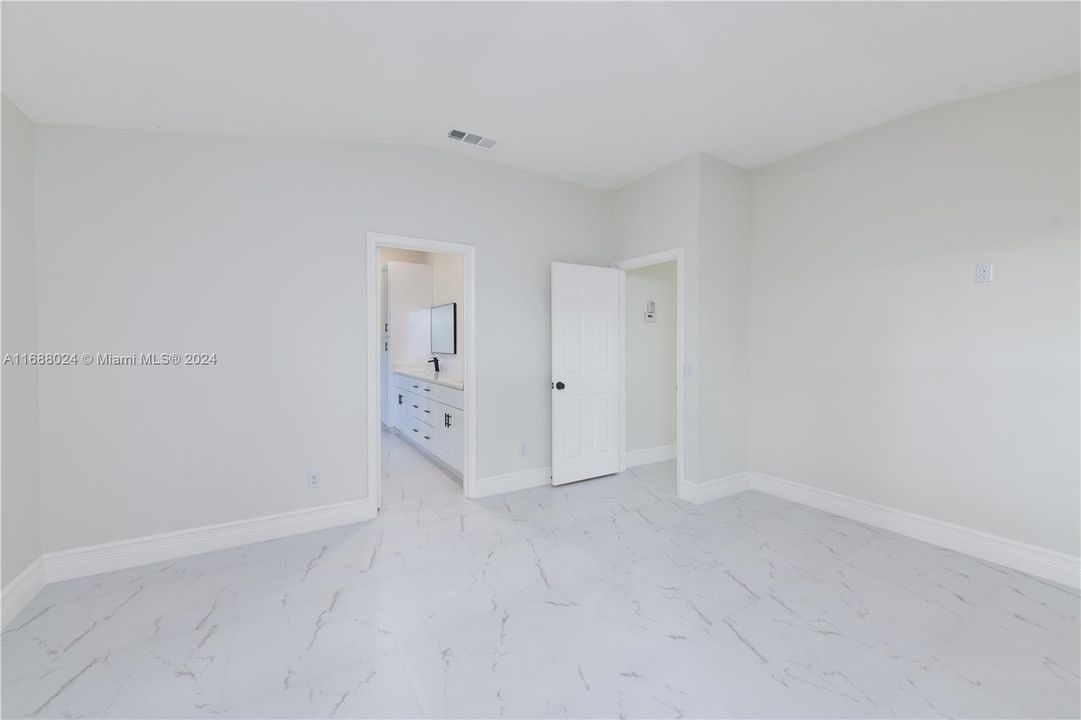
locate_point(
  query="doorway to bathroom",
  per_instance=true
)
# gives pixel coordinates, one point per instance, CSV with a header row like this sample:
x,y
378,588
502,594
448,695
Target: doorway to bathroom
x,y
421,377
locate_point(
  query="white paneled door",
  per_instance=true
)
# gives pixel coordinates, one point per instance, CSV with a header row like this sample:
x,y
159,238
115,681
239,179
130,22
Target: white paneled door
x,y
585,372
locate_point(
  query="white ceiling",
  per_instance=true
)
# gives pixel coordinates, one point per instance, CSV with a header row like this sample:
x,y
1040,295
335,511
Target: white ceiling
x,y
599,94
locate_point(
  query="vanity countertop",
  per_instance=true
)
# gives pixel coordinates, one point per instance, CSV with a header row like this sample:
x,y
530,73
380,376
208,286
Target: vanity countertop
x,y
432,377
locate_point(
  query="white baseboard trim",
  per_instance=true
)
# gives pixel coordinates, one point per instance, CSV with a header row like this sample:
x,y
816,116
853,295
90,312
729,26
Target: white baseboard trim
x,y
21,590
648,456
497,484
699,493
94,559
80,562
1032,559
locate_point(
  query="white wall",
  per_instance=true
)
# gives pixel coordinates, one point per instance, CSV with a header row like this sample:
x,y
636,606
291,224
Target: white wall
x,y
651,357
448,286
20,497
661,212
409,313
702,205
448,280
724,296
880,369
254,248
389,254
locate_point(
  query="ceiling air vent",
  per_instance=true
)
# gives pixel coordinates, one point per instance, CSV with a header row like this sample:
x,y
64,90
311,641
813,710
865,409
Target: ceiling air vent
x,y
471,139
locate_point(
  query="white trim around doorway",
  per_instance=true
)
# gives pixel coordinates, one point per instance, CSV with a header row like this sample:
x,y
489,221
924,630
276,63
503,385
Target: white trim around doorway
x,y
674,255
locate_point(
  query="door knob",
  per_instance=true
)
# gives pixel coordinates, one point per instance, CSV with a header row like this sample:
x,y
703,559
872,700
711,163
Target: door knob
x,y
560,385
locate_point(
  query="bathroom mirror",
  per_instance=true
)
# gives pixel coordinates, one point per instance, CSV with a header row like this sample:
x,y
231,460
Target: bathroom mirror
x,y
445,329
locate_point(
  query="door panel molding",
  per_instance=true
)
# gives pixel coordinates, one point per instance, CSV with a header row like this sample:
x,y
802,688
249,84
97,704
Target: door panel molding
x,y
585,372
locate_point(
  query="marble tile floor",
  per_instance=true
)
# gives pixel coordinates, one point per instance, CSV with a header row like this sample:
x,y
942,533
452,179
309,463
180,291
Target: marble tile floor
x,y
608,598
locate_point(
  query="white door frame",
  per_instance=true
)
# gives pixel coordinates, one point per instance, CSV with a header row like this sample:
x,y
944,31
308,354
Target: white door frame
x,y
373,337
674,255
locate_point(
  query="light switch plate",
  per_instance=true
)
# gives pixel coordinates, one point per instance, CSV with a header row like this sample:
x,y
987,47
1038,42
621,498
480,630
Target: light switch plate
x,y
983,272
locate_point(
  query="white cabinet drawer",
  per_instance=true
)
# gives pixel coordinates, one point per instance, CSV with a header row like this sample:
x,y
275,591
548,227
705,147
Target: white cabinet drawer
x,y
407,383
447,396
439,393
422,409
421,434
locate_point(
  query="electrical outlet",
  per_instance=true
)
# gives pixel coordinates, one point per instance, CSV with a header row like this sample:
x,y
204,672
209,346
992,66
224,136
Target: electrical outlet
x,y
983,272
314,481
523,449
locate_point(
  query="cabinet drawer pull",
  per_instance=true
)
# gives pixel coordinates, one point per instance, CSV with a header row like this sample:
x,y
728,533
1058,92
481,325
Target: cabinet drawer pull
x,y
416,386
417,406
415,430
427,389
426,437
428,411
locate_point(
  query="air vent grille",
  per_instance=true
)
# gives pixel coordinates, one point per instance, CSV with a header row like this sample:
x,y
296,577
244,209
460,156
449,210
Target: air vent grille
x,y
471,139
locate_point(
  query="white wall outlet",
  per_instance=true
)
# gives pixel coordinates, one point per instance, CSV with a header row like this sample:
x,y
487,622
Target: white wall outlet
x,y
523,449
688,371
314,481
983,272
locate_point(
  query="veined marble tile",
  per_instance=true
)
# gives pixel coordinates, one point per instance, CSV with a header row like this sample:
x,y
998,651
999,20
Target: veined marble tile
x,y
606,598
296,644
724,673
378,688
503,666
838,666
866,607
182,676
441,598
634,697
1021,653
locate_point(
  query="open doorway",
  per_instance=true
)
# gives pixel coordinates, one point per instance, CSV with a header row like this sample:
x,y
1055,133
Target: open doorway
x,y
421,386
651,348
